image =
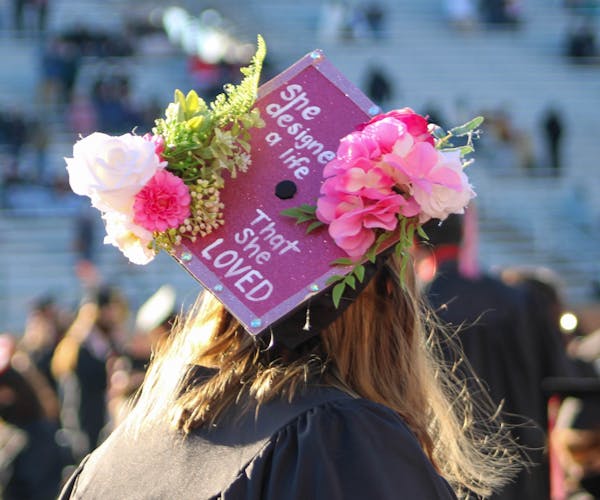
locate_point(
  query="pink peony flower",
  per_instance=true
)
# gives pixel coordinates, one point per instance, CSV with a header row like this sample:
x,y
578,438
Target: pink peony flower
x,y
373,183
416,125
163,203
355,150
352,222
442,198
423,167
388,168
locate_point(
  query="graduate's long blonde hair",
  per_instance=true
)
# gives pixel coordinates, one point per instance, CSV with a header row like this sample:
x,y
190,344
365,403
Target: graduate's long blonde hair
x,y
378,349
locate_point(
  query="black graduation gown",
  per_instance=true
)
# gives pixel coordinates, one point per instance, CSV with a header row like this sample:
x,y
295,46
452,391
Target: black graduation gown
x,y
324,445
511,353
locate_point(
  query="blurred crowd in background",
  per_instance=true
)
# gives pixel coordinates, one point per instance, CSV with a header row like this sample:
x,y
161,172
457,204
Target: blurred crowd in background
x,y
67,378
71,375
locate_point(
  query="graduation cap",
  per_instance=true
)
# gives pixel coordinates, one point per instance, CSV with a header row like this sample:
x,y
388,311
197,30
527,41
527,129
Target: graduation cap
x,y
261,264
247,243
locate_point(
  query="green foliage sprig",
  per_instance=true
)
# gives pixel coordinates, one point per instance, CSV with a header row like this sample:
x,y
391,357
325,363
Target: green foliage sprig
x,y
203,141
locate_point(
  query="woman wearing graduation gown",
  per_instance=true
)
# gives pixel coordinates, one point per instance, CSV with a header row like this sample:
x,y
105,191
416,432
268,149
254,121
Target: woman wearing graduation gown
x,y
356,412
341,398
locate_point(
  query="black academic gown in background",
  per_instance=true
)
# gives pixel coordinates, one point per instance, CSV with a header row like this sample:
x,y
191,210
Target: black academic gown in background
x,y
511,353
324,445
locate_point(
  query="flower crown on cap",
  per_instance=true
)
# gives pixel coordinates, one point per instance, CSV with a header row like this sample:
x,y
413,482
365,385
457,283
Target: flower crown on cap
x,y
389,176
164,190
155,190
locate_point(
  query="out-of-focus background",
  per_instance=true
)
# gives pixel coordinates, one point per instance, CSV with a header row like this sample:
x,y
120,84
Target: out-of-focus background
x,y
531,67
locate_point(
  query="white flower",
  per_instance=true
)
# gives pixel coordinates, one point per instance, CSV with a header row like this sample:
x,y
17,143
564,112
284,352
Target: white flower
x,y
112,170
131,239
446,197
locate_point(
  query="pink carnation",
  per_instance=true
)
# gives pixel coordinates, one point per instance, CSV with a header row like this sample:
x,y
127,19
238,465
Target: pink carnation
x,y
163,203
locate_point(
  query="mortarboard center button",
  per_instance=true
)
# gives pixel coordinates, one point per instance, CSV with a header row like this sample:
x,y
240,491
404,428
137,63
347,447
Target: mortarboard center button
x,y
285,190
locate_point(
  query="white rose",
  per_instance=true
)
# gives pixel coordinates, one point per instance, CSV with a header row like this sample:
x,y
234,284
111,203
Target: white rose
x,y
112,170
128,237
444,200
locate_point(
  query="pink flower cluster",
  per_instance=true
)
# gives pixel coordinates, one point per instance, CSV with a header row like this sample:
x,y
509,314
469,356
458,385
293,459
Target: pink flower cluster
x,y
164,202
389,168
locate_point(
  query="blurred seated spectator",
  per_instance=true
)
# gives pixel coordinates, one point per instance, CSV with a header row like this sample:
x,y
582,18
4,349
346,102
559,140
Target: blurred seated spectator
x,y
581,44
378,85
96,43
13,138
375,16
82,117
25,11
60,62
501,13
113,107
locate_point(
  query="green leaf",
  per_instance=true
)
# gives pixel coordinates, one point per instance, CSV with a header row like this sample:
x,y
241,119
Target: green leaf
x,y
421,232
338,291
466,150
399,249
403,264
359,272
350,280
334,279
381,238
309,209
463,150
410,234
467,127
344,261
303,218
438,132
313,225
371,254
290,212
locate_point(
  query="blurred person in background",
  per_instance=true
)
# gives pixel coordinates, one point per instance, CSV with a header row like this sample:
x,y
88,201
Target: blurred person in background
x,y
31,460
152,327
378,85
575,437
505,345
45,326
545,306
553,133
82,362
586,349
